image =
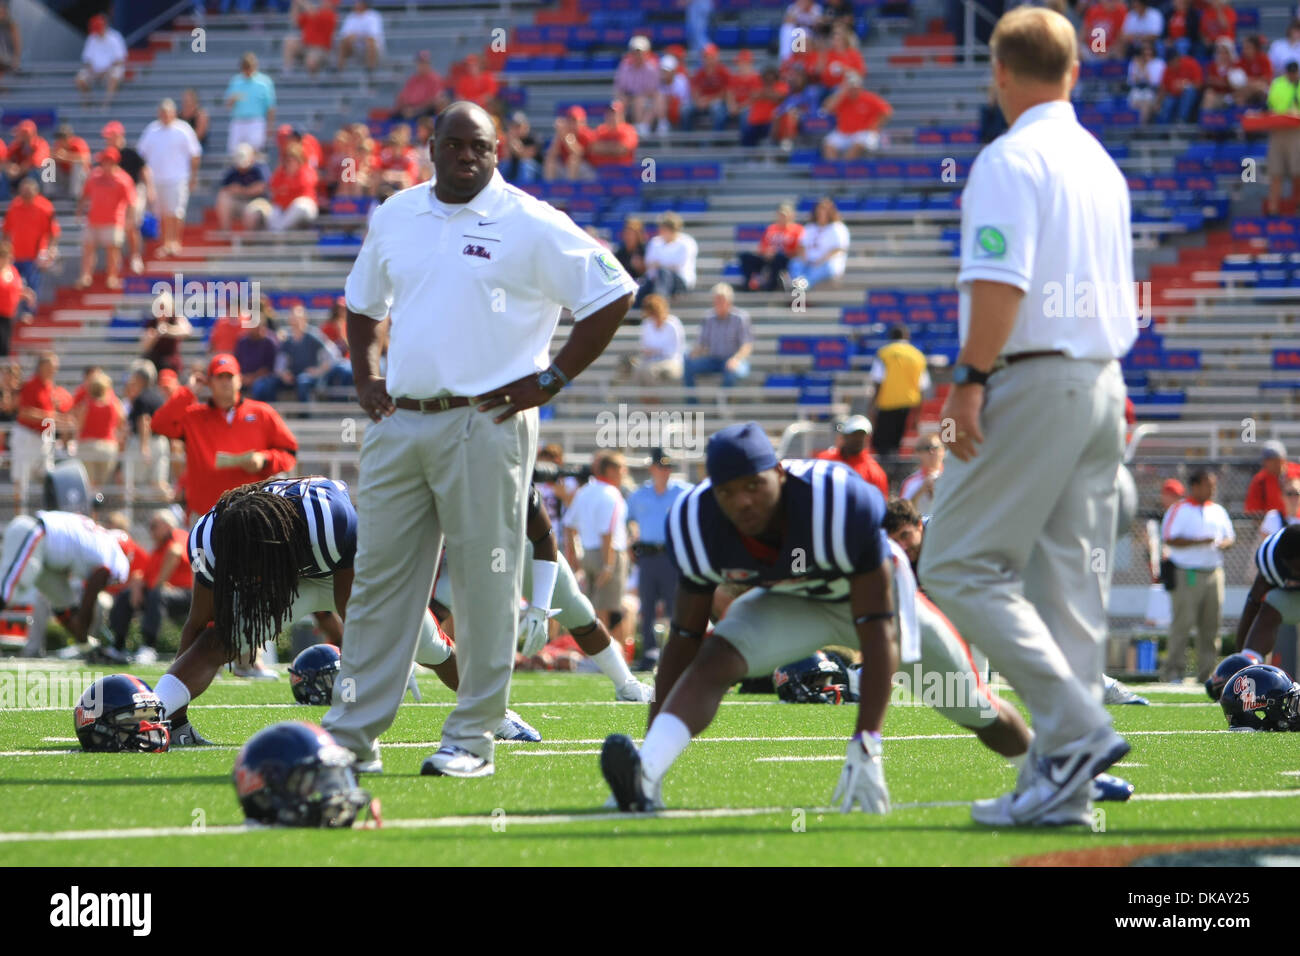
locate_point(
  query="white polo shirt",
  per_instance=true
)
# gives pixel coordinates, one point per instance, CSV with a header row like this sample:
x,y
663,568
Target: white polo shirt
x,y
76,544
1187,519
168,150
819,240
368,24
665,341
101,52
596,510
475,291
677,256
1047,210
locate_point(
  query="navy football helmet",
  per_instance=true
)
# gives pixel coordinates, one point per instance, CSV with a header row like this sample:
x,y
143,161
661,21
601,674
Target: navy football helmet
x,y
822,678
1227,667
311,675
121,713
294,774
1261,697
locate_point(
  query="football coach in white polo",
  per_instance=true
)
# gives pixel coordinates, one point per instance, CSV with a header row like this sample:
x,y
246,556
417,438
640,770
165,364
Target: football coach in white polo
x,y
473,273
1018,551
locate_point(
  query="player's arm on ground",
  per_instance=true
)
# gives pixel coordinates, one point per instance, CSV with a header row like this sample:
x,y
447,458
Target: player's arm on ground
x,y
343,590
689,625
1257,627
95,582
200,616
871,602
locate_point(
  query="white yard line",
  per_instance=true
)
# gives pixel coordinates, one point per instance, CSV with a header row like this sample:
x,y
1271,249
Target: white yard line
x,y
555,819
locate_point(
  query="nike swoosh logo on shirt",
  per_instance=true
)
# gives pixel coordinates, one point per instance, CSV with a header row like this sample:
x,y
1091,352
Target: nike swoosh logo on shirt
x,y
487,222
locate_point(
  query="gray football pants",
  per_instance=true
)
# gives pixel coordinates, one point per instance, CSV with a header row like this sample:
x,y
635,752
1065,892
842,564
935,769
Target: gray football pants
x,y
425,477
1018,551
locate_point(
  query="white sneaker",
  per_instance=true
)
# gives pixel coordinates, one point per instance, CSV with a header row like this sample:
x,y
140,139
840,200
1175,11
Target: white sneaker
x,y
369,766
1060,775
635,691
1116,693
454,761
146,655
514,727
997,813
256,673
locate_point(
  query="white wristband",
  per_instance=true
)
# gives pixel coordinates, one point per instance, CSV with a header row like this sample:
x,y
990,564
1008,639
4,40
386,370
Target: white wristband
x,y
544,575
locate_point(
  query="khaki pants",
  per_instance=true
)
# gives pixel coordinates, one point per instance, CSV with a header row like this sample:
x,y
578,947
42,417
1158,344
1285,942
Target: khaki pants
x,y
1018,551
451,474
1197,601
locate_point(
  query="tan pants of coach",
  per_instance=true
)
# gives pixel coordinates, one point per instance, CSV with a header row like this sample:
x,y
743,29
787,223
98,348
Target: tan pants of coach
x,y
426,477
1197,602
1018,551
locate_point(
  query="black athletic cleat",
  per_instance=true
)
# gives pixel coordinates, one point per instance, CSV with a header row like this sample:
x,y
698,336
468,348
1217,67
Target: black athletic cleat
x,y
621,764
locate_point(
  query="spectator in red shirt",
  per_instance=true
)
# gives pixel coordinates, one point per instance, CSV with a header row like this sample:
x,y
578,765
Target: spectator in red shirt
x,y
398,167
859,114
709,90
1103,22
615,141
31,226
423,93
316,24
566,155
1223,77
109,193
335,326
27,151
780,243
36,426
1258,69
745,82
71,161
475,83
312,153
160,584
225,333
756,122
347,172
842,58
1218,21
1265,491
13,293
1180,91
852,450
293,195
811,61
1182,27
229,440
99,424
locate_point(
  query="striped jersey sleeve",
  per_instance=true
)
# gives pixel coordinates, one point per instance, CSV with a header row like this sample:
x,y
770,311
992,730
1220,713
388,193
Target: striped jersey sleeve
x,y
1276,558
331,528
685,543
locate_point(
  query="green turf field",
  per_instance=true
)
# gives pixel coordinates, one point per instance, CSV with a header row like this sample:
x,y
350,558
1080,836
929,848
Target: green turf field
x,y
753,790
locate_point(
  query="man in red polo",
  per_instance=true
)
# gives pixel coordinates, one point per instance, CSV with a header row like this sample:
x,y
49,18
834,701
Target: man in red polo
x,y
229,440
1265,491
859,114
31,226
615,141
34,431
709,90
852,450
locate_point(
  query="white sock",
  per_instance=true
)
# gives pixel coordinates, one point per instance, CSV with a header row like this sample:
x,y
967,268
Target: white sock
x,y
613,665
664,743
173,694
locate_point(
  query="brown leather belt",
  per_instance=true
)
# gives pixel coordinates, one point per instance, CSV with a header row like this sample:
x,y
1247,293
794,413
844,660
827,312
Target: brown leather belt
x,y
1021,356
430,405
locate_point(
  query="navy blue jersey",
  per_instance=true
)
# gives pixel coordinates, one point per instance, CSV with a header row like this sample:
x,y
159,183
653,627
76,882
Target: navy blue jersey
x,y
1268,558
331,525
832,532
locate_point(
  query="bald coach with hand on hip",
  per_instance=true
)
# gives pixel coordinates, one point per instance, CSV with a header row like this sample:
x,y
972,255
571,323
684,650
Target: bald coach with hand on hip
x,y
473,273
1019,549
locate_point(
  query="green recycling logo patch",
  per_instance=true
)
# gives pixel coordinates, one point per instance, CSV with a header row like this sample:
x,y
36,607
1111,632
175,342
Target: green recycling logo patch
x,y
990,243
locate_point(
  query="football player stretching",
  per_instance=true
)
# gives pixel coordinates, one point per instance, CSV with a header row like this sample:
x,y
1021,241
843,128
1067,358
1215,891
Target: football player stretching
x,y
267,554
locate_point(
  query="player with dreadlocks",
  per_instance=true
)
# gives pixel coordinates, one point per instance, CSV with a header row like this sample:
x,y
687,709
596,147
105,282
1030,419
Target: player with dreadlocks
x,y
267,554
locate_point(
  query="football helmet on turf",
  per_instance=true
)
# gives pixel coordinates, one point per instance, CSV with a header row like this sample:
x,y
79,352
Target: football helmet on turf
x,y
312,673
1227,667
1261,697
294,774
822,678
121,713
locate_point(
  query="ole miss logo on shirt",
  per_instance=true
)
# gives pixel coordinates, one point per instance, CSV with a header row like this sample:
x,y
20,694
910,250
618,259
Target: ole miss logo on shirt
x,y
473,250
